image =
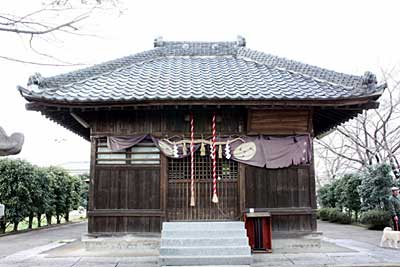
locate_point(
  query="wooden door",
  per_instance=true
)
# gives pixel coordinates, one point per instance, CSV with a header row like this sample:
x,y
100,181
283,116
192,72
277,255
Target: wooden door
x,y
178,205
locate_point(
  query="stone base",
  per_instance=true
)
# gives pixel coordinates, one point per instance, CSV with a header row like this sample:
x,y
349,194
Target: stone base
x,y
295,242
145,242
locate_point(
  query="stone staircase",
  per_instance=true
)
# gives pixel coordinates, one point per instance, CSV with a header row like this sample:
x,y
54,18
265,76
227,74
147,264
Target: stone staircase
x,y
204,244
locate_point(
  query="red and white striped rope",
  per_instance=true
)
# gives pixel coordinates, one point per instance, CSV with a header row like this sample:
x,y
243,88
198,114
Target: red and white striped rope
x,y
192,202
214,152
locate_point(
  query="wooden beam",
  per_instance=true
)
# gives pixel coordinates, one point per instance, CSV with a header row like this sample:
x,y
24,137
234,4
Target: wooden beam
x,y
40,104
80,120
291,211
93,143
164,183
242,187
127,213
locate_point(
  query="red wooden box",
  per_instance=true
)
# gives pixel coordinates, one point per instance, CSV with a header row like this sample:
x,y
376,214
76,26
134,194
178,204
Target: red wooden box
x,y
259,231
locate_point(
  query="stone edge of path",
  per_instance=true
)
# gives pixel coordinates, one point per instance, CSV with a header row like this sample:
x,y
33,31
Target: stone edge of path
x,y
46,227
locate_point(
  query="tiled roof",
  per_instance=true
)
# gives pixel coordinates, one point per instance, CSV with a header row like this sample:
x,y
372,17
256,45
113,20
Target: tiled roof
x,y
200,71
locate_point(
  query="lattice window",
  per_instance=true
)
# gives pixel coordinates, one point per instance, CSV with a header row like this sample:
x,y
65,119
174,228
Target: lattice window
x,y
180,168
144,153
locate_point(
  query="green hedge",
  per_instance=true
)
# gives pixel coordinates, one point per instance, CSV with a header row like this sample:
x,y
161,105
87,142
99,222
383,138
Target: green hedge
x,y
343,218
324,213
376,219
334,215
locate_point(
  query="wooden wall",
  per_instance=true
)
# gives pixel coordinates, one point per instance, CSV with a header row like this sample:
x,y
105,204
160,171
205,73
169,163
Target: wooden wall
x,y
134,199
279,122
168,122
126,199
288,193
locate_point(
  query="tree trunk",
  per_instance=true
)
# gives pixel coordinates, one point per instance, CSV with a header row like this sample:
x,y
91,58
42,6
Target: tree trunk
x,y
39,220
395,171
3,227
356,213
67,216
30,222
58,218
48,219
15,226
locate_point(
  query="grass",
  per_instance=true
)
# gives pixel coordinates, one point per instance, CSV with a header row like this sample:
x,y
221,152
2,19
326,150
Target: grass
x,y
23,225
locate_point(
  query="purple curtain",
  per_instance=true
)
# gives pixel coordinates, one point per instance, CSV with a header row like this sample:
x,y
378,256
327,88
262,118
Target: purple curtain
x,y
243,156
282,152
118,143
260,151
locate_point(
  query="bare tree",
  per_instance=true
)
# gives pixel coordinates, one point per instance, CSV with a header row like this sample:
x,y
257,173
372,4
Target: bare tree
x,y
373,137
51,19
330,166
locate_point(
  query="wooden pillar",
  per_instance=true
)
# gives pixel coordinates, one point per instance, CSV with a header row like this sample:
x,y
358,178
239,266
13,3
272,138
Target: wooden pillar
x,y
92,181
164,186
313,198
242,188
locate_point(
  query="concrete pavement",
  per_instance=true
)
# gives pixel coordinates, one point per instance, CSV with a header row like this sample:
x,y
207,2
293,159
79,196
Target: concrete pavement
x,y
342,245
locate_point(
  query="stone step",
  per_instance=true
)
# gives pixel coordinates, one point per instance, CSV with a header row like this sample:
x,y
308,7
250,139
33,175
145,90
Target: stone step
x,y
186,233
205,241
227,260
202,251
207,266
202,225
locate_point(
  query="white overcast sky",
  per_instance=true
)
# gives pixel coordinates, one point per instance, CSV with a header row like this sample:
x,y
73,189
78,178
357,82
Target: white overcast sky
x,y
346,36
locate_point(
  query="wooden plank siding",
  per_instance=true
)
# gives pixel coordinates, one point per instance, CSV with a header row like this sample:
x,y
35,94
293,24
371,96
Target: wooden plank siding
x,y
137,198
126,197
278,122
283,192
162,123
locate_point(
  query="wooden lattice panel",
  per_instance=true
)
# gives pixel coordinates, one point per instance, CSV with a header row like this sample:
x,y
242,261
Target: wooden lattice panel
x,y
179,189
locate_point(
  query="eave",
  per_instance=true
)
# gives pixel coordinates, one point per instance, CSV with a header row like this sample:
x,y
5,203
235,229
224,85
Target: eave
x,y
327,114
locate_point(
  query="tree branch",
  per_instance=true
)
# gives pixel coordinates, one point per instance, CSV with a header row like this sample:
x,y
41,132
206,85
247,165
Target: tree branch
x,y
38,63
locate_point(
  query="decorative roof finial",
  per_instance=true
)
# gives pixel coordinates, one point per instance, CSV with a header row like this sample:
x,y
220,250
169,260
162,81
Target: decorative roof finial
x,y
158,42
369,79
35,79
241,41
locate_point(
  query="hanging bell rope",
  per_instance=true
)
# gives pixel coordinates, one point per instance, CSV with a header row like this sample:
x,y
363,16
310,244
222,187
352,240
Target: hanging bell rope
x,y
214,150
192,200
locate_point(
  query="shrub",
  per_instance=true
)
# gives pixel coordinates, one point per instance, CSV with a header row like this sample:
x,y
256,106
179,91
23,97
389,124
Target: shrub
x,y
326,195
375,187
324,213
334,215
376,219
344,218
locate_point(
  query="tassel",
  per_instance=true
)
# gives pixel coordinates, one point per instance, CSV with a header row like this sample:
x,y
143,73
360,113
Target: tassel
x,y
202,150
215,198
192,204
220,151
184,149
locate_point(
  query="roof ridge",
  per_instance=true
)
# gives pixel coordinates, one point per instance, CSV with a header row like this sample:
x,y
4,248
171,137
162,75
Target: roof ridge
x,y
159,42
170,48
308,70
98,69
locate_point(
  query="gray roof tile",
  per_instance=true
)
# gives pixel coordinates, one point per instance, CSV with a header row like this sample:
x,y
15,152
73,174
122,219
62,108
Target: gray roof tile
x,y
200,71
